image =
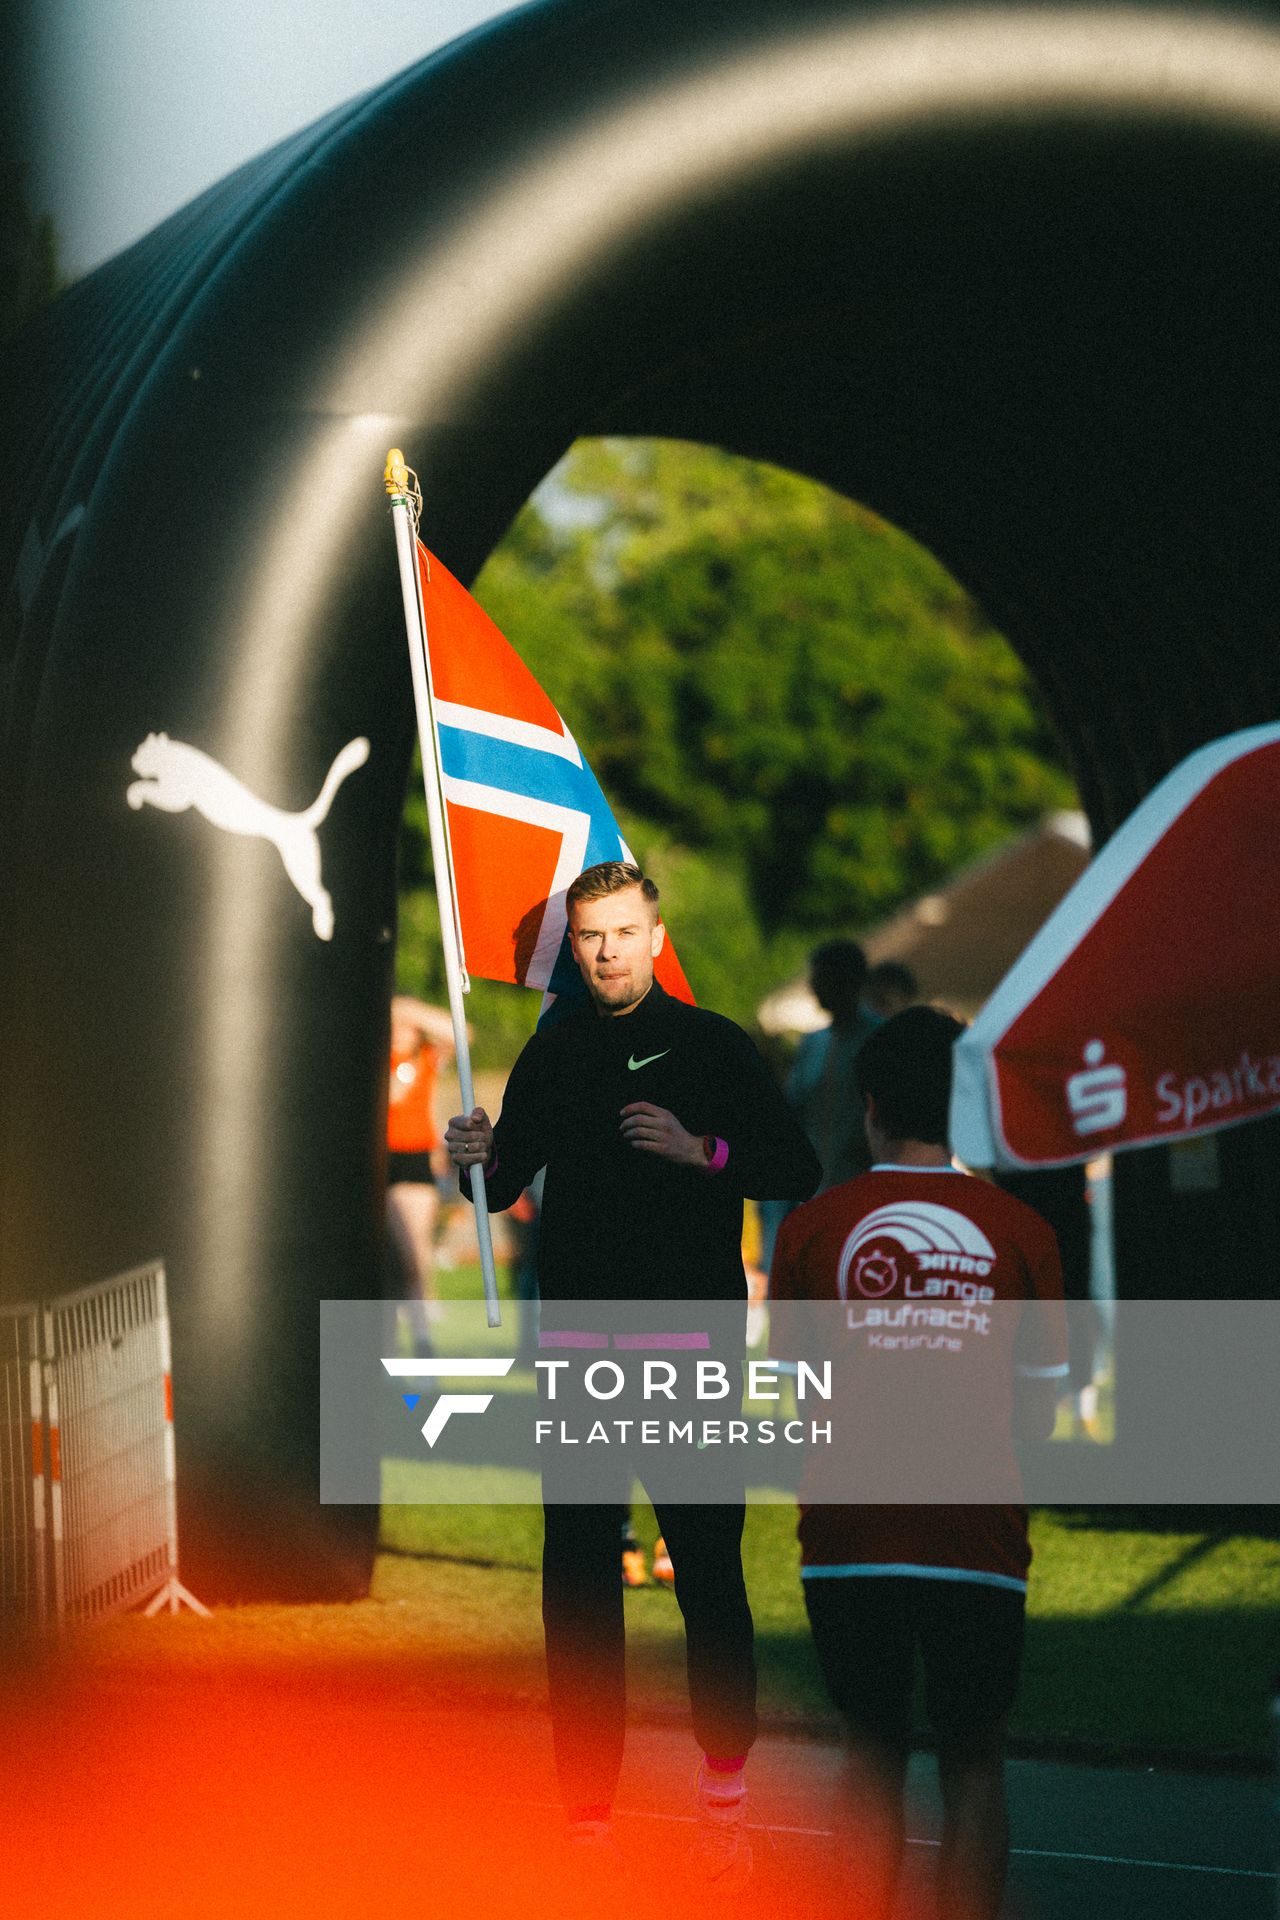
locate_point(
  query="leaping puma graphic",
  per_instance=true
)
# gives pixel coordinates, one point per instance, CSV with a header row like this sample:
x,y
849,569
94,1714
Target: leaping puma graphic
x,y
176,776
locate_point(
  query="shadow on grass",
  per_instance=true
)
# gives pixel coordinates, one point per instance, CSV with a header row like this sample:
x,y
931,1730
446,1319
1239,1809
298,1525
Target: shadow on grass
x,y
1166,1683
1117,1689
1161,1671
1223,1523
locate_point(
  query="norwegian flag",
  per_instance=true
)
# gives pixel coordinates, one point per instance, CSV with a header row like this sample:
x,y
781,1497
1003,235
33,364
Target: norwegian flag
x,y
525,812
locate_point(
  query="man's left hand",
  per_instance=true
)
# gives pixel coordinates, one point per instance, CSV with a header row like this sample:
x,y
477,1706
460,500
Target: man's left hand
x,y
654,1130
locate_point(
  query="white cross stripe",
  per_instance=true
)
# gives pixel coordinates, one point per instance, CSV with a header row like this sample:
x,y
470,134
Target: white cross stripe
x,y
520,733
574,829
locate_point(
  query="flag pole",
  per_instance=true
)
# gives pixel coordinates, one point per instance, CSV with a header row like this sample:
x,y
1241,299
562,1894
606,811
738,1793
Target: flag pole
x,y
406,503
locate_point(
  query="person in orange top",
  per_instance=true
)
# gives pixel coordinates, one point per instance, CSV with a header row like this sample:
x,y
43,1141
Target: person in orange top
x,y
419,1036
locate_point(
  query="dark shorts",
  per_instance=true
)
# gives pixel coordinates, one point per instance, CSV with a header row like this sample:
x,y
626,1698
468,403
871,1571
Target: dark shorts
x,y
867,1628
414,1169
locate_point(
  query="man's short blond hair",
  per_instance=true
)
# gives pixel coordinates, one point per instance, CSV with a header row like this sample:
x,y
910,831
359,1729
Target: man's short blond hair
x,y
608,876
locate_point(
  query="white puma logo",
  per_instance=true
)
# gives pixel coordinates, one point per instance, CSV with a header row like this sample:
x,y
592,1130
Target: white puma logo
x,y
177,776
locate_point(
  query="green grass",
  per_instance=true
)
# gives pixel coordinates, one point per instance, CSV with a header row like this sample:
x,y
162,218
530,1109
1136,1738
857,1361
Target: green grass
x,y
1137,1641
1150,1640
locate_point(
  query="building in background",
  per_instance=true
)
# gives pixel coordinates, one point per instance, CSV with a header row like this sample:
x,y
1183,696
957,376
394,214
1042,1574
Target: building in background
x,y
961,940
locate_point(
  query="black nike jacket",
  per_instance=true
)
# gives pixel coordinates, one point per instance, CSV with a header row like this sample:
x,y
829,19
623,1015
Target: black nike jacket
x,y
619,1223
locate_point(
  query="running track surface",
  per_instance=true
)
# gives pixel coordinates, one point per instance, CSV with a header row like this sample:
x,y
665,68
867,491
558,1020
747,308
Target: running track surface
x,y
341,1796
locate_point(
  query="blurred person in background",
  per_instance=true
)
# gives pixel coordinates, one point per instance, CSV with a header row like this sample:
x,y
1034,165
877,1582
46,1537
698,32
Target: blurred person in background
x,y
888,989
821,1087
1061,1195
420,1036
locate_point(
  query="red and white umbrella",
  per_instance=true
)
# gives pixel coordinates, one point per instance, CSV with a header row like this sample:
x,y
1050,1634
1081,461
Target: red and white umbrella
x,y
1147,1008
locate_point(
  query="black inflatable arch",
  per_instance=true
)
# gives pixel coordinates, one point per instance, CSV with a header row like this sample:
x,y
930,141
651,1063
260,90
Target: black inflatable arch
x,y
1006,275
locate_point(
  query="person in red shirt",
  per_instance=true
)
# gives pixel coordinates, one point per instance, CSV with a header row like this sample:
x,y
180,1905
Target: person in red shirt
x,y
419,1035
947,1337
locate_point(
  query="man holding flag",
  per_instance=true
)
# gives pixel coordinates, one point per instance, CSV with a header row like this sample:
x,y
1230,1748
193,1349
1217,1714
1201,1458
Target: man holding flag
x,y
653,1119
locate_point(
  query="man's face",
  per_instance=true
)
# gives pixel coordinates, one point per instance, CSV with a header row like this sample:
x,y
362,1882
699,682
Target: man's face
x,y
615,943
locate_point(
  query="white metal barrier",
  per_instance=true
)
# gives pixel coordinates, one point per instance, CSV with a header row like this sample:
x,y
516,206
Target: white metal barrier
x,y
101,1526
23,1464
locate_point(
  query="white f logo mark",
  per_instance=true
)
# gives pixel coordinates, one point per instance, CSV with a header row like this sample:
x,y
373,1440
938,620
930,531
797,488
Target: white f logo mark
x,y
434,1424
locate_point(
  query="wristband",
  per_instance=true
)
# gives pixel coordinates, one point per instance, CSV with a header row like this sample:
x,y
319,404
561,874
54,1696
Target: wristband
x,y
715,1152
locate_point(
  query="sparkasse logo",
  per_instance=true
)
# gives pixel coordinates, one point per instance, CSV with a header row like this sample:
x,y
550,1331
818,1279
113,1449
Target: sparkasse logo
x,y
1098,1096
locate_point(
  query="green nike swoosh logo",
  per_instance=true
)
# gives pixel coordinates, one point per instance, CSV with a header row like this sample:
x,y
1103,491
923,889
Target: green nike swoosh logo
x,y
633,1063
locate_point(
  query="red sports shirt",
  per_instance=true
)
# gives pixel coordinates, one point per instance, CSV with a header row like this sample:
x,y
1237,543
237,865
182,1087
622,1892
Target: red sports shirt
x,y
907,1250
411,1123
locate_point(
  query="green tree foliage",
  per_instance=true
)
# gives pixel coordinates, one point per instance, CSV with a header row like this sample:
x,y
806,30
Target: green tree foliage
x,y
800,718
764,669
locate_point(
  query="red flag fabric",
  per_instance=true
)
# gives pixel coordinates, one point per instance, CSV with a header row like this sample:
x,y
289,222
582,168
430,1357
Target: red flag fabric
x,y
526,814
1148,1006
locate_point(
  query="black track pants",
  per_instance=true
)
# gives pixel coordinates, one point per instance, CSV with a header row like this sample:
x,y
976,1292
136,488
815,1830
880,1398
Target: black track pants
x,y
582,1615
